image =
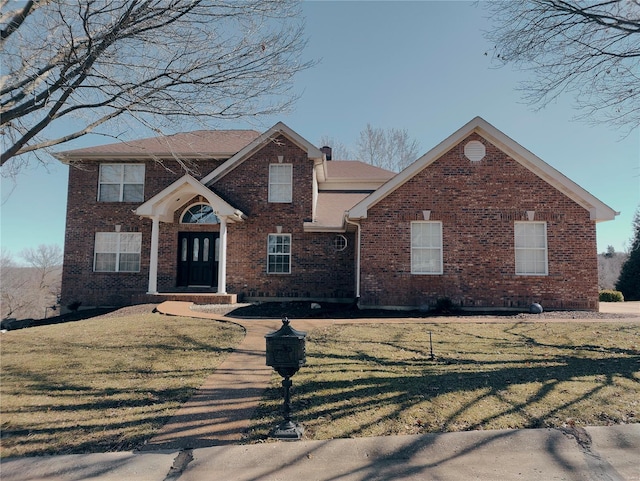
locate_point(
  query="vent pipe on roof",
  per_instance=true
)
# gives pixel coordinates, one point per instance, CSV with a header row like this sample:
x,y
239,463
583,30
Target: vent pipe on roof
x,y
326,150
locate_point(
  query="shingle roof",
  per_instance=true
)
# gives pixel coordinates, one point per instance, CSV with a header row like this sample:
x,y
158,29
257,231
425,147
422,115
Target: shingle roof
x,y
332,206
209,143
355,169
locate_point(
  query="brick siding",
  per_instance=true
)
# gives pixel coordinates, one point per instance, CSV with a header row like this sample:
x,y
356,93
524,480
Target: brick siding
x,y
317,271
478,203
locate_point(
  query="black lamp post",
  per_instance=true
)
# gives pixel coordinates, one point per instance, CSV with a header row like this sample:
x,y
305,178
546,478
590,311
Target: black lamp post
x,y
286,354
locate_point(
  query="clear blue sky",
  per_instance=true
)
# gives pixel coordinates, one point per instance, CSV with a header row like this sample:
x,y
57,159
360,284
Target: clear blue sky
x,y
419,66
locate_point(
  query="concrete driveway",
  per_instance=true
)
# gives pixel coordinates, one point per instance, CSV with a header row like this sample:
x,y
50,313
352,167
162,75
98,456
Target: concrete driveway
x,y
632,307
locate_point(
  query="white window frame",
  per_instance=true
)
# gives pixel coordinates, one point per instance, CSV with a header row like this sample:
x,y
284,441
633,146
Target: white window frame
x,y
117,245
281,186
535,248
431,244
121,182
272,252
200,220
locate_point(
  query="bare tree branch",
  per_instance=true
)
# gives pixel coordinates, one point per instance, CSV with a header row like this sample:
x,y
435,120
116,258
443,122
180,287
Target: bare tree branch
x,y
14,18
44,259
70,67
390,149
588,49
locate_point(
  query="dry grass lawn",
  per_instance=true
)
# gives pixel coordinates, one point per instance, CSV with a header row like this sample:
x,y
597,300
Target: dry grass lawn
x,y
373,380
108,384
103,384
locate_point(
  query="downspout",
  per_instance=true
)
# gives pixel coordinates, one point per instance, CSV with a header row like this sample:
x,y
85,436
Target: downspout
x,y
346,219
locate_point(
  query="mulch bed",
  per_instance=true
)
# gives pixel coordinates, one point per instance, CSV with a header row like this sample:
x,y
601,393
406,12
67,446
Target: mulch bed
x,y
305,310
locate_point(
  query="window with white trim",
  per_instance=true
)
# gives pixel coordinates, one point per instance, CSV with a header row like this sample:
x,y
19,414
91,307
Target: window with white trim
x,y
279,254
281,183
199,214
426,247
531,248
121,183
117,252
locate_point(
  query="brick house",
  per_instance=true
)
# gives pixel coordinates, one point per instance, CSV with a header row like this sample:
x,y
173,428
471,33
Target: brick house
x,y
478,220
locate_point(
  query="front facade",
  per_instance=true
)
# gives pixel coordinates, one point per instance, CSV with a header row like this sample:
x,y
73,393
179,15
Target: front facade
x,y
477,220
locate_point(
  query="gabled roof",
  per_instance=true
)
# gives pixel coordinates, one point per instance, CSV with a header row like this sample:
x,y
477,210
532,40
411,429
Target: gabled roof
x,y
165,203
201,143
598,210
275,131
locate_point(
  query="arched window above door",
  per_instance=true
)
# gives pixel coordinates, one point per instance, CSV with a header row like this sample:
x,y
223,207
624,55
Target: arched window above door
x,y
199,214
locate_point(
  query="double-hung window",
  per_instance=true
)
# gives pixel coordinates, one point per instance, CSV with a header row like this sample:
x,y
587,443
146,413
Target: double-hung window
x,y
117,252
426,247
279,254
281,183
531,248
121,183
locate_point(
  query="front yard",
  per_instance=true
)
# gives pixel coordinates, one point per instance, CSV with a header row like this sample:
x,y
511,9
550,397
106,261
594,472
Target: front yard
x,y
109,383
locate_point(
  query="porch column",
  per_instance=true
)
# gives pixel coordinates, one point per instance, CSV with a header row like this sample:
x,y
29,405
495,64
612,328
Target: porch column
x,y
222,258
153,261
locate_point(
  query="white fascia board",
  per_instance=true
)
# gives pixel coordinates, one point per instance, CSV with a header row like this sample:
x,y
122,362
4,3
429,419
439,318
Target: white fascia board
x,y
167,201
155,206
279,128
313,227
320,167
350,184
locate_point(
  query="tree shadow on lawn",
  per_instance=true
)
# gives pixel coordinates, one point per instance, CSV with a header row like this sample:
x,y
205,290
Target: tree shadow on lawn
x,y
371,395
100,420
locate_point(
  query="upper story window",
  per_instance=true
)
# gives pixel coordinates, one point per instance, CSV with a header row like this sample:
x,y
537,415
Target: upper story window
x,y
200,214
531,248
426,247
281,183
121,183
117,252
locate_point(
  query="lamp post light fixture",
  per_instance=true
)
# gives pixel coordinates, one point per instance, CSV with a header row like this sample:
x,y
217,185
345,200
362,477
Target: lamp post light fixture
x,y
286,354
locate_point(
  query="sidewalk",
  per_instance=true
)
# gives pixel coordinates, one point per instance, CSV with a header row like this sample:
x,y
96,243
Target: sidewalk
x,y
201,442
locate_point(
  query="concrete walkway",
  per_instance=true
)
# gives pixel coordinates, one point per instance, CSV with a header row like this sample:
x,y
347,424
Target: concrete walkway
x,y
220,411
201,442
